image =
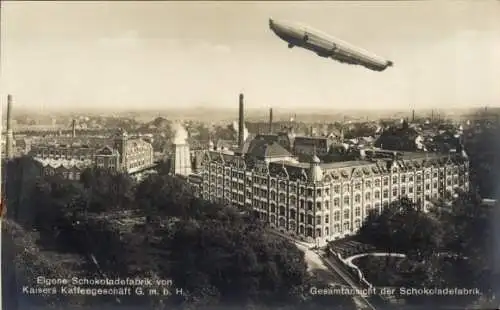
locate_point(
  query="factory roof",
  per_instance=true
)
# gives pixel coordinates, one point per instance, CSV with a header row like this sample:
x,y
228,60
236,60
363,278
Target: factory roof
x,y
66,163
263,149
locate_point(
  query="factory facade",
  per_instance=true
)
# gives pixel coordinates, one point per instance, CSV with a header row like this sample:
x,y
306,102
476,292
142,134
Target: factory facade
x,y
326,201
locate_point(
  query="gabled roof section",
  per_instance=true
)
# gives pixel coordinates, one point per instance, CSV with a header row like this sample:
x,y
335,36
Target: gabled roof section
x,y
262,149
106,151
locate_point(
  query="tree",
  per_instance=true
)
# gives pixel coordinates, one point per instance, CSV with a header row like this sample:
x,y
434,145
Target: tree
x,y
233,263
470,239
108,190
403,228
164,195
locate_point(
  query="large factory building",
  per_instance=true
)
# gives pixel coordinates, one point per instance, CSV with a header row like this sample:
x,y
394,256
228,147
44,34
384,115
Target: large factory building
x,y
319,201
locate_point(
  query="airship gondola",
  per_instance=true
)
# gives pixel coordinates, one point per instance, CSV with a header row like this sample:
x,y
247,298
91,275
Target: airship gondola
x,y
327,46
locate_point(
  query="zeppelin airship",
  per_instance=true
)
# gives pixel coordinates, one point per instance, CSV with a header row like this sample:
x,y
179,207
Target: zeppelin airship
x,y
326,46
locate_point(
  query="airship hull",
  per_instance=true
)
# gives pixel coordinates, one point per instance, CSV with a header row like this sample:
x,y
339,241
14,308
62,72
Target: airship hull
x,y
325,46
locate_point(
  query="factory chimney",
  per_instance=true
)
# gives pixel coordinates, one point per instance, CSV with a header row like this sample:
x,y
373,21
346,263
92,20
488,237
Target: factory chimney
x,y
10,135
73,129
271,120
241,123
413,116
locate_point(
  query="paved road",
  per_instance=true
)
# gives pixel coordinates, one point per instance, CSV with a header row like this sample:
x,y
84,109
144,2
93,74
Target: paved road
x,y
326,270
317,267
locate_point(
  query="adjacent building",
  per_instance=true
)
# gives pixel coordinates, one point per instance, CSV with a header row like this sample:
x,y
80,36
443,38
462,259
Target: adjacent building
x,y
120,153
320,201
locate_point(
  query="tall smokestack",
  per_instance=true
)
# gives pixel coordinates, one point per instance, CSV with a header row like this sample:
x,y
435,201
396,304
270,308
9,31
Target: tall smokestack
x,y
413,116
241,123
73,128
271,120
10,135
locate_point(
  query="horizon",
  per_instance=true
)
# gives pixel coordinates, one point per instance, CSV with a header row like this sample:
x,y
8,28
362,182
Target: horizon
x,y
133,56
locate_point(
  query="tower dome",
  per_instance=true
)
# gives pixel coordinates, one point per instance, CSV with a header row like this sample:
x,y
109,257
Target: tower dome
x,y
315,171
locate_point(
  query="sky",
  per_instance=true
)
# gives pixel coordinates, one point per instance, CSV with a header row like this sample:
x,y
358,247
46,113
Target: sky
x,y
161,55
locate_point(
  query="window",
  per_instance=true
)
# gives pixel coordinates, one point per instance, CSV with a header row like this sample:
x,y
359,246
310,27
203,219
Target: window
x,y
318,206
357,211
357,186
346,214
368,196
403,178
377,194
347,226
377,183
336,202
368,184
394,180
326,219
357,198
386,181
346,200
357,223
327,205
403,190
394,191
309,205
336,216
386,193
318,220
336,189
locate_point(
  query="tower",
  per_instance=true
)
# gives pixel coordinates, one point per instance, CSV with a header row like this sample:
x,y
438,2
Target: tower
x,y
315,171
181,160
9,148
120,144
241,122
270,120
73,129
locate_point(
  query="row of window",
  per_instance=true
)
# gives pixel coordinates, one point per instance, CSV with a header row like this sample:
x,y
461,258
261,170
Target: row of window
x,y
347,198
336,188
72,175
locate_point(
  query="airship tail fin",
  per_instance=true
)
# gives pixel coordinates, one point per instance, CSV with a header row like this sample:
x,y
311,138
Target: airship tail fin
x,y
390,63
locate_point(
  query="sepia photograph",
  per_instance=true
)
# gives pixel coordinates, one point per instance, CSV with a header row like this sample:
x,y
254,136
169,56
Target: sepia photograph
x,y
250,155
